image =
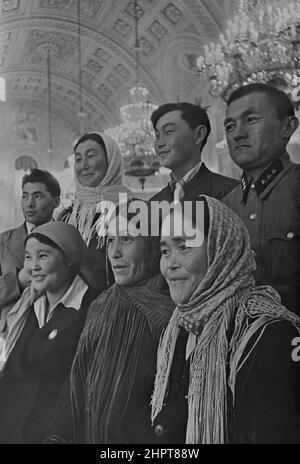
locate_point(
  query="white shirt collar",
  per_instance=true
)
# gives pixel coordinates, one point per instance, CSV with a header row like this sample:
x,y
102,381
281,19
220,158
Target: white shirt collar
x,y
178,192
192,172
29,227
71,299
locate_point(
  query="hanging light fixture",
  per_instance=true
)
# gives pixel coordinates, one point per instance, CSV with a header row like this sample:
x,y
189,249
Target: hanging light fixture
x,y
81,113
260,44
135,135
50,147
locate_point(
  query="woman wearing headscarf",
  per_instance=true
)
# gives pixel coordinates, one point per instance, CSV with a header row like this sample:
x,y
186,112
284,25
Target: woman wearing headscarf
x,y
225,370
113,371
41,332
98,181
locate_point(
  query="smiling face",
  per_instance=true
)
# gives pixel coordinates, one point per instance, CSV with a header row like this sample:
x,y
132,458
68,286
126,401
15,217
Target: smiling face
x,y
254,132
182,265
176,143
37,203
127,257
90,163
48,268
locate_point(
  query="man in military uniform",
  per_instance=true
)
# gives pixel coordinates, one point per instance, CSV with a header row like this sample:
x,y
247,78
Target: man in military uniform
x,y
259,122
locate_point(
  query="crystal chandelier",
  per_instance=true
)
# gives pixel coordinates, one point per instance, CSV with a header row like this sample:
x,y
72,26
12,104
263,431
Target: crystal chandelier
x,y
260,44
135,134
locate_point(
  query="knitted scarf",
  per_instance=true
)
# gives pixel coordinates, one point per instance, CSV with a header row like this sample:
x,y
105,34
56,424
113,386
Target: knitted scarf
x,y
226,295
90,201
104,368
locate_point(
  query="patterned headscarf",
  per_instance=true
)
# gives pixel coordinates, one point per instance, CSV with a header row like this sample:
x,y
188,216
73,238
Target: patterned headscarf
x,y
226,294
92,200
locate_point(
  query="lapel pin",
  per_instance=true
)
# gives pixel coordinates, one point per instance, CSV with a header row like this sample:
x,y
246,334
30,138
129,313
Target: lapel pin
x,y
52,334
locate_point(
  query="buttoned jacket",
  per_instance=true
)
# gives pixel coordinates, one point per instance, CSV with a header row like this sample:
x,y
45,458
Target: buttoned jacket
x,y
272,218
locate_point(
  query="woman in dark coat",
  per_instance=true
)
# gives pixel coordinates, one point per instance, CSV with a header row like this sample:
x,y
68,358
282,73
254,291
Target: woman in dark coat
x,y
41,334
225,370
113,371
98,180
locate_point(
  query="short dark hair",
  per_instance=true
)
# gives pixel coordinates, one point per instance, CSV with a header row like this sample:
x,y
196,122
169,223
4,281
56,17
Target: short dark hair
x,y
44,177
278,98
91,136
194,115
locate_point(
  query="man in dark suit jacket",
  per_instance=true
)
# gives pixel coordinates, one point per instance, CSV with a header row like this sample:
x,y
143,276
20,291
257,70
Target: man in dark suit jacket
x,y
181,132
40,196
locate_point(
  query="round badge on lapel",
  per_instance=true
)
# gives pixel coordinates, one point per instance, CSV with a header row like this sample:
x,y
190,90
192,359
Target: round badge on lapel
x,y
52,334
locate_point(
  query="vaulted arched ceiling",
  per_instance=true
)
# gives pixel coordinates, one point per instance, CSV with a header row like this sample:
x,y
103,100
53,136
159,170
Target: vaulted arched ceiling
x,y
171,33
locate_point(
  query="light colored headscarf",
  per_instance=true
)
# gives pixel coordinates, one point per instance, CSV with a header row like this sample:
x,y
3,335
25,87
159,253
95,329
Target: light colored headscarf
x,y
69,240
88,199
226,294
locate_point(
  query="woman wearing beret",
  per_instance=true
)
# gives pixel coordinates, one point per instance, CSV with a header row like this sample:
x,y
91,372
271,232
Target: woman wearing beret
x,y
39,339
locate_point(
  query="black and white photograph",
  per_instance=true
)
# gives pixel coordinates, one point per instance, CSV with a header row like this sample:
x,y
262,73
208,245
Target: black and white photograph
x,y
149,226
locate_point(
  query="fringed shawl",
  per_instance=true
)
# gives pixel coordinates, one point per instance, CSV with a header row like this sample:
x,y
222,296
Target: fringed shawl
x,y
90,201
104,368
227,295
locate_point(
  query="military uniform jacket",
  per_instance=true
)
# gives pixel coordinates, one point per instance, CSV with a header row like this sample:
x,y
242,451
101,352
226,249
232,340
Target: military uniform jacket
x,y
271,213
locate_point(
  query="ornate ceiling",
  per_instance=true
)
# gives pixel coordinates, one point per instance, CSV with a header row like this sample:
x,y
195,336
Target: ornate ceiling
x,y
171,35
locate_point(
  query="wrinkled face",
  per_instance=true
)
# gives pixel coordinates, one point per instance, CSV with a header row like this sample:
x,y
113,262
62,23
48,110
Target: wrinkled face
x,y
90,163
175,142
37,203
47,266
254,132
182,265
127,256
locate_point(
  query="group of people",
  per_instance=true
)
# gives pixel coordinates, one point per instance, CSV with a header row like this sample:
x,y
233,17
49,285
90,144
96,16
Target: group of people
x,y
114,337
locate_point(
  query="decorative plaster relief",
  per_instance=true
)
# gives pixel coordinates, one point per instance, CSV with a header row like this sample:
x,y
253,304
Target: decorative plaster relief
x,y
10,5
88,7
105,91
38,42
113,81
123,71
146,47
130,9
103,55
158,30
87,78
122,27
26,124
94,66
172,13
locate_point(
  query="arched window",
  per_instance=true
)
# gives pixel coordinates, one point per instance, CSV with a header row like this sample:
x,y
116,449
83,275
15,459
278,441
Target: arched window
x,y
25,163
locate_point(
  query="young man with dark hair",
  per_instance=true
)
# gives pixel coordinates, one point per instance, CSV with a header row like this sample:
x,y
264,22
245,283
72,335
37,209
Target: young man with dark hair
x,y
40,196
181,132
260,120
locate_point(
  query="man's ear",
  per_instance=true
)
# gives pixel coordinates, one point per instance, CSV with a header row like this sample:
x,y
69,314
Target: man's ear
x,y
200,134
292,123
56,202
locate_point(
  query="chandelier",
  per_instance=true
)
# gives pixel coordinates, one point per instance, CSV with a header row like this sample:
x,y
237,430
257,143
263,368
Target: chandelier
x,y
260,44
135,135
